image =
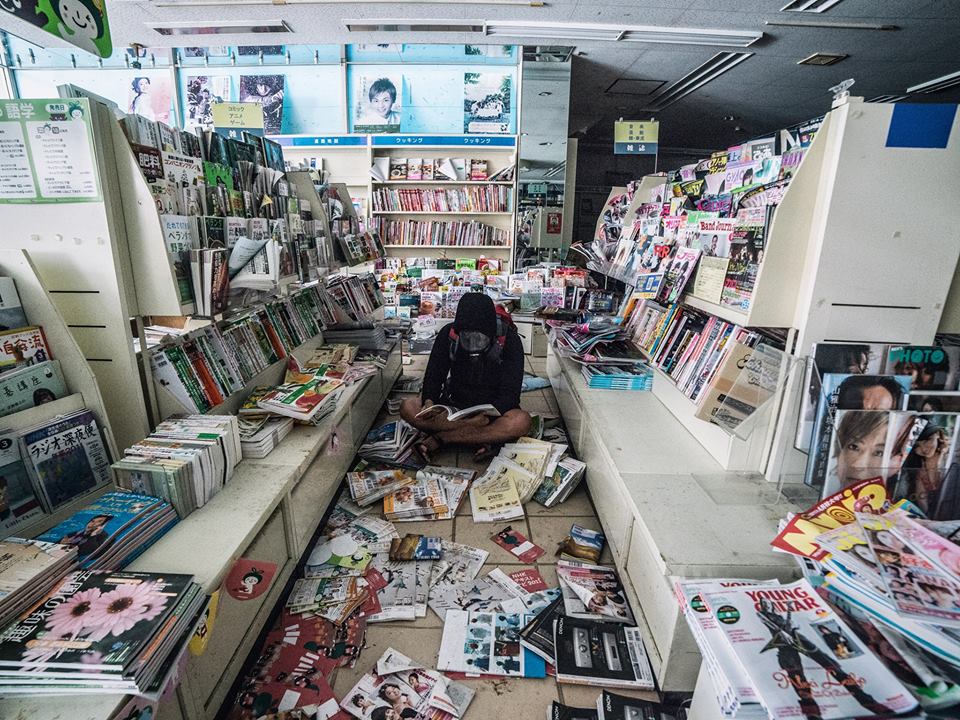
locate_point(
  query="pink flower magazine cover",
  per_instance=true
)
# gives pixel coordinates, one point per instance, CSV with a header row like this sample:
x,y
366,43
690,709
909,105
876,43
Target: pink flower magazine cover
x,y
517,544
100,622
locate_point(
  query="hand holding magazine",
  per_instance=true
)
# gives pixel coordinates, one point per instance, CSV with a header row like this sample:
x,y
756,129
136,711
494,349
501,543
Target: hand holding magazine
x,y
434,411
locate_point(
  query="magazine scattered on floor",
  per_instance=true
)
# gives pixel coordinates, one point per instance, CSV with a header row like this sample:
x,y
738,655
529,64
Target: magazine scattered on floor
x,y
457,564
486,643
589,652
398,598
593,592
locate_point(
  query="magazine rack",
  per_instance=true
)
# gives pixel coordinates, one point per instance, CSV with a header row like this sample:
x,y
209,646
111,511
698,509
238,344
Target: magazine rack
x,y
80,380
818,280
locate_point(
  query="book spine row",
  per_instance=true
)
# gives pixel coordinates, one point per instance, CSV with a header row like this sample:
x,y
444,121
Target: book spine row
x,y
205,368
686,345
487,198
450,233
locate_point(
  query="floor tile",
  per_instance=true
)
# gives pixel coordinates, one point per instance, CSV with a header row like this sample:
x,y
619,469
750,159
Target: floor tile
x,y
420,644
478,535
534,403
584,696
577,505
520,698
547,569
436,528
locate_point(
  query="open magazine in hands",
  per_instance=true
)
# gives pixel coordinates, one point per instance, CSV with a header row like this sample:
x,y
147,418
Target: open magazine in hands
x,y
453,414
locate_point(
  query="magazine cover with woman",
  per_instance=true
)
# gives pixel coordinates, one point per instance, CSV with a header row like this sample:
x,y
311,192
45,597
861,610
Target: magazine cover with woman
x,y
802,659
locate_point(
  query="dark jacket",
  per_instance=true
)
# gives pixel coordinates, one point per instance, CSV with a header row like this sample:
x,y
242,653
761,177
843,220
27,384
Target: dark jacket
x,y
464,383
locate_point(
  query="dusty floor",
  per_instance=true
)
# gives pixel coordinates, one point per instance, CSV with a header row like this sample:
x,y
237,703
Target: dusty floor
x,y
525,699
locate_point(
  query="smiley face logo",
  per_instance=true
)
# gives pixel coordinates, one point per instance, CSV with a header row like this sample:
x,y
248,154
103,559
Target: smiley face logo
x,y
80,23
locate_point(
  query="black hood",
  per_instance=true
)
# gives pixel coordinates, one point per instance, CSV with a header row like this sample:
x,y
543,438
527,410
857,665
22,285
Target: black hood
x,y
476,312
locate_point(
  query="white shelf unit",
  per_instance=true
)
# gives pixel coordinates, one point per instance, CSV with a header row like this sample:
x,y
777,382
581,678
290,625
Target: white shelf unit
x,y
79,378
641,489
81,254
268,511
838,268
497,158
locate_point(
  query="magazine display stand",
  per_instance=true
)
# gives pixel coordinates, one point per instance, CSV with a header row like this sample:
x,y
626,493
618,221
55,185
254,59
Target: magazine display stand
x,y
818,280
832,270
80,252
79,378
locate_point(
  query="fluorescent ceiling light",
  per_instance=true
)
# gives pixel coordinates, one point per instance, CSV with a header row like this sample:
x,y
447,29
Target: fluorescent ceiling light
x,y
713,68
810,6
823,59
219,27
887,98
937,84
566,31
624,33
827,24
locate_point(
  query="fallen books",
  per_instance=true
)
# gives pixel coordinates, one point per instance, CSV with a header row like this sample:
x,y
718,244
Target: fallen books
x,y
589,652
486,643
368,486
557,488
593,592
582,545
391,443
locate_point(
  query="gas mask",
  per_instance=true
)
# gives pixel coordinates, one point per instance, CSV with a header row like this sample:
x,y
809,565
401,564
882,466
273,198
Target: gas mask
x,y
474,344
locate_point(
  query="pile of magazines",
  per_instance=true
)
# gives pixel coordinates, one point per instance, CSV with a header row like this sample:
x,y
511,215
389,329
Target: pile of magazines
x,y
114,529
392,444
28,571
186,460
104,632
880,628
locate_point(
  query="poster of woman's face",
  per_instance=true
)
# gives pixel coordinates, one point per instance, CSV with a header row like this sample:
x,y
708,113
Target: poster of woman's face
x,y
377,103
150,96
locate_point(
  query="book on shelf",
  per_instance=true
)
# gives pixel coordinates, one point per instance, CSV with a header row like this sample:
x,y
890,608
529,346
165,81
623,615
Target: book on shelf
x,y
12,314
478,169
65,458
23,346
398,168
380,170
301,401
84,646
259,440
439,233
30,386
114,529
19,501
415,169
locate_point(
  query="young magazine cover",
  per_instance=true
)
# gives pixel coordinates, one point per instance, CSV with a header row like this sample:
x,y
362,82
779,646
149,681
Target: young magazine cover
x,y
801,658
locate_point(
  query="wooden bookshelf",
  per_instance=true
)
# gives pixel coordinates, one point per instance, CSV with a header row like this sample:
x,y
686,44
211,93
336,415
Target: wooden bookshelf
x,y
446,213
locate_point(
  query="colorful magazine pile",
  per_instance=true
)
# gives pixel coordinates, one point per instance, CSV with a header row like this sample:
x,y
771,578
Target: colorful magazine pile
x,y
593,592
112,531
391,443
186,460
557,487
259,437
28,571
108,632
368,486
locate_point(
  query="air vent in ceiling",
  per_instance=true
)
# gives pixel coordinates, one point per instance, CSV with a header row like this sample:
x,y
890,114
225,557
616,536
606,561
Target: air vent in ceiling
x,y
710,70
937,84
220,27
405,26
887,98
823,59
809,6
634,86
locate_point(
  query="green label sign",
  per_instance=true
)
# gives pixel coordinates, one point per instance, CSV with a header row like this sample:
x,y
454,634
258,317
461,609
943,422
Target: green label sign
x,y
80,22
46,152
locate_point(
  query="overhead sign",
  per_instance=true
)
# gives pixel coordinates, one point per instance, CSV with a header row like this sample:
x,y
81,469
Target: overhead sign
x,y
631,137
79,22
537,189
233,119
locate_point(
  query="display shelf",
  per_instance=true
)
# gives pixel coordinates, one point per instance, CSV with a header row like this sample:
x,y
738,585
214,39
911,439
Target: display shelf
x,y
443,212
724,312
640,489
507,183
450,247
265,512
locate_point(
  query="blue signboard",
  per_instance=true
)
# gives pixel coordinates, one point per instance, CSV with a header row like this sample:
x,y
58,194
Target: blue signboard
x,y
321,140
444,140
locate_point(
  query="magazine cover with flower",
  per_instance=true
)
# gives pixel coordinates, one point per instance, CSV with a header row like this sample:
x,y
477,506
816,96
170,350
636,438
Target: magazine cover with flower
x,y
93,621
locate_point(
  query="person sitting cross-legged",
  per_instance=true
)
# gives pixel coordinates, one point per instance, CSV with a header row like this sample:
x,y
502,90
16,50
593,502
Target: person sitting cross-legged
x,y
477,359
